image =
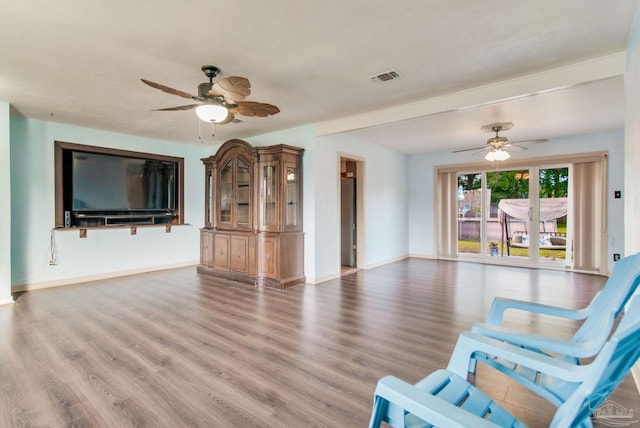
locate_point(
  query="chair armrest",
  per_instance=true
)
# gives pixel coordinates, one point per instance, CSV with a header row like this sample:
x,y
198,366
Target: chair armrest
x,y
425,406
500,305
567,347
470,343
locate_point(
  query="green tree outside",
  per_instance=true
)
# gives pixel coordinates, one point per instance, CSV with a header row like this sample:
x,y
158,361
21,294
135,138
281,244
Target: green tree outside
x,y
554,183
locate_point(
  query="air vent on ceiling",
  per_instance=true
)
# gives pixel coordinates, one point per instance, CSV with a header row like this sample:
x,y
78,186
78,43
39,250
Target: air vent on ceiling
x,y
386,76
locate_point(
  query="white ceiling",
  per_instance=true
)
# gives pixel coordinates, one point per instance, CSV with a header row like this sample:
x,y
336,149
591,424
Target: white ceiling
x,y
80,62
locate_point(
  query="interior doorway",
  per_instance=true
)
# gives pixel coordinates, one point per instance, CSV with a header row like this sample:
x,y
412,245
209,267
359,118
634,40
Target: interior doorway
x,y
351,213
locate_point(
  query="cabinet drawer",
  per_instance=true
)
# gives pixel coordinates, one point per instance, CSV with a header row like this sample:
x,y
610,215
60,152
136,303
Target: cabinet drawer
x,y
206,249
238,256
221,249
267,257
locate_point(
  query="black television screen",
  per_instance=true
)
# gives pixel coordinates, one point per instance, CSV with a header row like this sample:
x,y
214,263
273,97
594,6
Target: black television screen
x,y
105,182
99,186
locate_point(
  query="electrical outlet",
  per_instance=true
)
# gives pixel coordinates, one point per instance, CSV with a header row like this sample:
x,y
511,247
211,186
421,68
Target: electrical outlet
x,y
616,257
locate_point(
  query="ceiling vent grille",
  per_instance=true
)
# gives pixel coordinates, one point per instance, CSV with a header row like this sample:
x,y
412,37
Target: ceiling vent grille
x,y
385,77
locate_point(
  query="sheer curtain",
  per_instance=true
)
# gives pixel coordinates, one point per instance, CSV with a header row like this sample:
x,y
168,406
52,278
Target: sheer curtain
x,y
447,215
589,186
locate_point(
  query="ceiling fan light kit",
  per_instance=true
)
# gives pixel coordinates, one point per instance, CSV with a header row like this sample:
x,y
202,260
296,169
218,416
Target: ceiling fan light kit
x,y
497,155
212,113
219,102
498,145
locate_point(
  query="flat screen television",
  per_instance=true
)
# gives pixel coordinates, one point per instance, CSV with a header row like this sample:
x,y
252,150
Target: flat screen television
x,y
110,182
107,187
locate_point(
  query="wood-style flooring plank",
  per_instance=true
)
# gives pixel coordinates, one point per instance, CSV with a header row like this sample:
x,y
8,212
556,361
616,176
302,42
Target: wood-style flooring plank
x,y
176,348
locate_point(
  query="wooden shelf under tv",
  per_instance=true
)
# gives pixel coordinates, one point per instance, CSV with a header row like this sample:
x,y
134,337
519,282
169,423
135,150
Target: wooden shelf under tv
x,y
134,219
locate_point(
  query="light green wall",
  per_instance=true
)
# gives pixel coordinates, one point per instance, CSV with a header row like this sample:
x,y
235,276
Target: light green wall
x,y
108,252
105,251
5,206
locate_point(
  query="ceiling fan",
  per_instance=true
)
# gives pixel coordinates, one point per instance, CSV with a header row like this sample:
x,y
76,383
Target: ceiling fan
x,y
498,146
219,102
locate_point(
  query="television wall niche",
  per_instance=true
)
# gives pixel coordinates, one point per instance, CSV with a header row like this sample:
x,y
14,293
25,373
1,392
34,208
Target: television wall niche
x,y
97,187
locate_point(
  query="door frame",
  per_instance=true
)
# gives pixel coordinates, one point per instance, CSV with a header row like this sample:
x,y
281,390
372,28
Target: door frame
x,y
361,255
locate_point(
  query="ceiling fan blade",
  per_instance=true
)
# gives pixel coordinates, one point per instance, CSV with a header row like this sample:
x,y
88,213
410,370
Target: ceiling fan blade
x,y
480,151
542,140
169,90
187,107
475,148
230,118
512,147
232,88
253,108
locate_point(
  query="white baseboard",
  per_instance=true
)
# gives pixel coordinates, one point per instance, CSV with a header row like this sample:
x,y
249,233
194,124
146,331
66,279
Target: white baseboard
x,y
422,256
371,266
6,300
108,275
386,262
322,279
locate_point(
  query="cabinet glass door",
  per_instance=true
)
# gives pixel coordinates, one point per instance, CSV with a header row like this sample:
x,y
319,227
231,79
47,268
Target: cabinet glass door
x,y
209,199
243,194
226,192
293,192
269,196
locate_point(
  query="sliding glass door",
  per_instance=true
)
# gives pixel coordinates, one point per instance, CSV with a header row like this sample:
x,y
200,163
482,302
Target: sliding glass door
x,y
553,214
509,225
470,208
498,218
545,211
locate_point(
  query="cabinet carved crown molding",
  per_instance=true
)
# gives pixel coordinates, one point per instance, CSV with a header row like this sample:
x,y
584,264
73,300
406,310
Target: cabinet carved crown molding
x,y
253,215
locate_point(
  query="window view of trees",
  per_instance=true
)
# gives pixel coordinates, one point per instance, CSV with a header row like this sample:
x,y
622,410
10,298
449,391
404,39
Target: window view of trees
x,y
508,185
554,183
500,185
469,181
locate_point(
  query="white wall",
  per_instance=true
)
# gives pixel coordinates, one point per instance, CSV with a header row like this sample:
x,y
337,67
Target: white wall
x,y
422,198
386,193
5,206
104,252
385,200
632,150
632,140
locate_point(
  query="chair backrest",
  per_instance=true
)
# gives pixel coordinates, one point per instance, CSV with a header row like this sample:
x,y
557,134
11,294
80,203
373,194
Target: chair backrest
x,y
608,304
604,374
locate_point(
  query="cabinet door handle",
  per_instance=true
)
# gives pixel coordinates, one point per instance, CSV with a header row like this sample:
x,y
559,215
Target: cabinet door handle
x,y
267,256
237,253
220,251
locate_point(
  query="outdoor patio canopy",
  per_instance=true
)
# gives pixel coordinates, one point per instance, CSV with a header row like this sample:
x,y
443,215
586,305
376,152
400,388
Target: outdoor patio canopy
x,y
550,208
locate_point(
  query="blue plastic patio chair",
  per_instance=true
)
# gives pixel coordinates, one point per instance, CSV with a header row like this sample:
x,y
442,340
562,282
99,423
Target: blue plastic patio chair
x,y
599,316
446,399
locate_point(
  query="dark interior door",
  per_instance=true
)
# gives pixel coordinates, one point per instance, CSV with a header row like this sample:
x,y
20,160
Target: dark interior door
x,y
348,222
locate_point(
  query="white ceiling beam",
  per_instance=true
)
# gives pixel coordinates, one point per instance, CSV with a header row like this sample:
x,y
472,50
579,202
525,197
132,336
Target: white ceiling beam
x,y
606,67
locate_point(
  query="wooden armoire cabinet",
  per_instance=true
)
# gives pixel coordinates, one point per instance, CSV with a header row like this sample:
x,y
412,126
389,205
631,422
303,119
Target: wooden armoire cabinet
x,y
253,215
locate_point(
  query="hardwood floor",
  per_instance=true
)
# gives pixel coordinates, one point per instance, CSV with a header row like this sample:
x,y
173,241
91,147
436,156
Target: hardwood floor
x,y
175,348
